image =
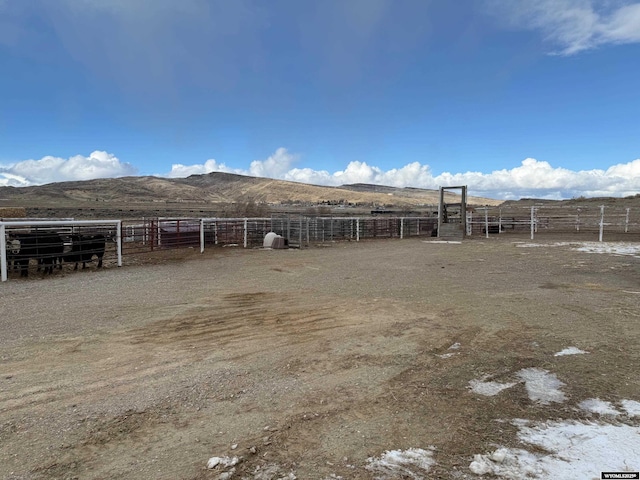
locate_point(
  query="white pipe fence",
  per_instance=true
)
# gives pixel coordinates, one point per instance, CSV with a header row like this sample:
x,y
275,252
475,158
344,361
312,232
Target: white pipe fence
x,y
539,219
139,236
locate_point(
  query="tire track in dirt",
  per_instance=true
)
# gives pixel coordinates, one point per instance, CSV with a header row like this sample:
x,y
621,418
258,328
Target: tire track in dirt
x,y
74,390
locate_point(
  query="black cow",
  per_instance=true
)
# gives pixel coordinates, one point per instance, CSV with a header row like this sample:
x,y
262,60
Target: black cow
x,y
84,247
13,248
45,247
492,229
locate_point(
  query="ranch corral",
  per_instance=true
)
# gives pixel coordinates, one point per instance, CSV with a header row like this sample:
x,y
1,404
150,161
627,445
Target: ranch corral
x,y
66,241
130,238
363,360
601,221
53,246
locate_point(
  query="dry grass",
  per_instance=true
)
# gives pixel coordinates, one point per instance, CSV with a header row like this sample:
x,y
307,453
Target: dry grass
x,y
13,212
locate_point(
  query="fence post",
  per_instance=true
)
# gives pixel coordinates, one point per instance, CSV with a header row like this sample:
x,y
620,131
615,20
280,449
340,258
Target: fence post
x,y
358,229
500,221
418,227
626,221
601,222
578,221
486,222
3,254
401,228
145,233
469,223
152,234
202,235
532,221
246,221
119,242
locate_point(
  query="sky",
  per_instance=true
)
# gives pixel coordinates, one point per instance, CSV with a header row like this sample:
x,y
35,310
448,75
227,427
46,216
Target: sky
x,y
526,98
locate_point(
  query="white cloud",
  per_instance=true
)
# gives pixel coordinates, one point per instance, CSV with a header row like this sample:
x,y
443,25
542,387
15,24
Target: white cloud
x,y
180,171
276,165
574,26
55,169
533,178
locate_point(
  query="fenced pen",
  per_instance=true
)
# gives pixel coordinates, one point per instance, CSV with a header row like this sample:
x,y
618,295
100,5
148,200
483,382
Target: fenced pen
x,y
298,230
125,238
51,243
541,220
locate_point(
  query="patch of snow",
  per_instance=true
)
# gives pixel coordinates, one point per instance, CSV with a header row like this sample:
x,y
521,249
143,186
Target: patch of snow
x,y
222,462
272,472
412,463
227,475
595,405
542,386
508,463
446,355
488,389
576,450
631,407
569,351
613,248
455,346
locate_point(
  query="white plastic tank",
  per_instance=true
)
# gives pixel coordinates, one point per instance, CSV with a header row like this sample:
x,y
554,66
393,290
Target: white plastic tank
x,y
268,239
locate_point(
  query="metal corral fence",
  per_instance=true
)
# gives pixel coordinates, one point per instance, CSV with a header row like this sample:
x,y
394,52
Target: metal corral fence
x,y
536,220
129,237
31,245
298,230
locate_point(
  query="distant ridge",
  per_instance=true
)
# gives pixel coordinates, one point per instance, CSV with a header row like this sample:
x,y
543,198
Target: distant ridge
x,y
218,187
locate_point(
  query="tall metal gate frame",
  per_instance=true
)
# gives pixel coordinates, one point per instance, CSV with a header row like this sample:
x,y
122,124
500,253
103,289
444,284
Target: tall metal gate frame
x,y
442,209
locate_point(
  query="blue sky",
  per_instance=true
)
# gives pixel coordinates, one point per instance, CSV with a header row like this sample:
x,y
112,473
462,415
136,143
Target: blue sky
x,y
512,98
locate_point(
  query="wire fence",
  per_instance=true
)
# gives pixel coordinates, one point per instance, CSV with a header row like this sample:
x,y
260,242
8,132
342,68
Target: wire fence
x,y
298,231
602,221
126,238
34,245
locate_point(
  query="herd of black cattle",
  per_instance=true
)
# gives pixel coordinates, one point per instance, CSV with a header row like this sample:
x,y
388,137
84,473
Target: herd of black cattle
x,y
50,250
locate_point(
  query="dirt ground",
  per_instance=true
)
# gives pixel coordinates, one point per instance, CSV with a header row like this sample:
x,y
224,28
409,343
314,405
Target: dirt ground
x,y
305,363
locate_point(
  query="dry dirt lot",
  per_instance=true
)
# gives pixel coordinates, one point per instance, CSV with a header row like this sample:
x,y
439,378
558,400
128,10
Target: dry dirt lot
x,y
306,363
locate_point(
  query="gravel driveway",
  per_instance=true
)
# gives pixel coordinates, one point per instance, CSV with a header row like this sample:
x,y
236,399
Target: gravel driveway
x,y
305,364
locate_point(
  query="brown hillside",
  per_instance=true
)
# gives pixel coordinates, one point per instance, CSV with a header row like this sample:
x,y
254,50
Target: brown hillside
x,y
211,189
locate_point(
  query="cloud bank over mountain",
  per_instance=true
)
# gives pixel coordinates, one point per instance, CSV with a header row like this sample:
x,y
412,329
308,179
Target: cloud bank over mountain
x,y
532,178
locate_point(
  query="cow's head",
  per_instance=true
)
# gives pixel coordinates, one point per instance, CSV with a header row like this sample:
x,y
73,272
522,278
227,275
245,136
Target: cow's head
x,y
13,246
